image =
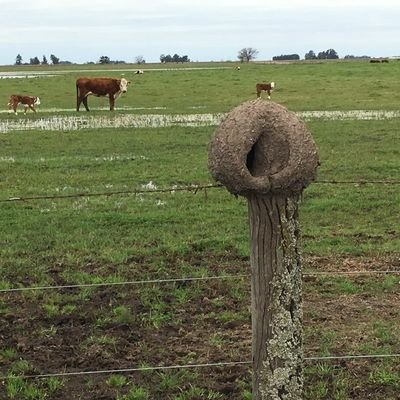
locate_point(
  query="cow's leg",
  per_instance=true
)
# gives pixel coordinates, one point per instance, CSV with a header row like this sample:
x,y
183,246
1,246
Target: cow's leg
x,y
78,103
269,94
112,102
32,108
258,93
85,103
81,97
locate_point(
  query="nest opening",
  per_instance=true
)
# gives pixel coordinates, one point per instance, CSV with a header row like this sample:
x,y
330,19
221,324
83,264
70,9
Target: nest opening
x,y
250,159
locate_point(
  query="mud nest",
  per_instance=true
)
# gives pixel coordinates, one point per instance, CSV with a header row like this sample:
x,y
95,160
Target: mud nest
x,y
261,147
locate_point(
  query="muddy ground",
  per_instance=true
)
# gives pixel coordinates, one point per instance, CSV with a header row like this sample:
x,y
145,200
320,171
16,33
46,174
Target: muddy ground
x,y
125,327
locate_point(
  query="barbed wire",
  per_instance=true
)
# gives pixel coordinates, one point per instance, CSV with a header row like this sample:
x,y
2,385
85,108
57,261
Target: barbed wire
x,y
190,188
189,279
185,366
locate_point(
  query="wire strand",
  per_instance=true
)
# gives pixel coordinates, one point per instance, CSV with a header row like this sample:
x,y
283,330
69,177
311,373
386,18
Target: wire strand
x,y
167,367
191,188
189,279
88,285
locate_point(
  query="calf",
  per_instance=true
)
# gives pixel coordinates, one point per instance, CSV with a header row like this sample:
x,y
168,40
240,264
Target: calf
x,y
26,101
267,87
99,87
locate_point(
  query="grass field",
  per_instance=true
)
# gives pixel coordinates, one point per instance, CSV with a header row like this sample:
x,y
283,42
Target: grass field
x,y
155,231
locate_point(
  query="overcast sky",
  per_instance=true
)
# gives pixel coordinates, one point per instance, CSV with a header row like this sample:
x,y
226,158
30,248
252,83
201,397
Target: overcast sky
x,y
83,30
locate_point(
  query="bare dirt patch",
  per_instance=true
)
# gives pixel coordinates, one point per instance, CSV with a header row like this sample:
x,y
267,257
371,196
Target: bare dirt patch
x,y
112,328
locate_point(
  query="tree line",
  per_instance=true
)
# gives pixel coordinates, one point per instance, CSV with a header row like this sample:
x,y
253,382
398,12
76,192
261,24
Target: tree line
x,y
176,58
246,54
35,60
249,53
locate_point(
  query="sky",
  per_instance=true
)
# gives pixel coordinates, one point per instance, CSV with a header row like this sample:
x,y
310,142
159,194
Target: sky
x,y
82,31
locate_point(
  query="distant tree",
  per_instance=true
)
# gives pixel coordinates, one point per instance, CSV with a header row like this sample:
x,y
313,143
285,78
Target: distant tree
x,y
18,59
168,58
104,60
247,54
310,55
175,58
352,57
140,60
332,54
327,55
55,60
286,57
44,60
34,61
185,59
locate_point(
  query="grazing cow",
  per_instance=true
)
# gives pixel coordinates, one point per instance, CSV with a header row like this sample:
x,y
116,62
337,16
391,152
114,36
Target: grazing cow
x,y
268,87
374,60
26,101
139,71
99,87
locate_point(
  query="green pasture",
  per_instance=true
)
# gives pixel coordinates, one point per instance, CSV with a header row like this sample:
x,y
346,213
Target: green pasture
x,y
85,232
336,218
299,86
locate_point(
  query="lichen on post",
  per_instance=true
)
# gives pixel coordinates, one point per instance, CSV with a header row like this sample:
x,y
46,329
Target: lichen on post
x,y
265,153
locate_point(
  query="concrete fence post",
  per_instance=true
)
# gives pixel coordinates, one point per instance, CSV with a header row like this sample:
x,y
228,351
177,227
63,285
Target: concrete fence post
x,y
265,153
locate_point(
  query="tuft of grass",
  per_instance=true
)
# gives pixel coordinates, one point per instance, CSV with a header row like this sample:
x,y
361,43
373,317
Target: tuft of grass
x,y
117,381
8,354
136,393
122,315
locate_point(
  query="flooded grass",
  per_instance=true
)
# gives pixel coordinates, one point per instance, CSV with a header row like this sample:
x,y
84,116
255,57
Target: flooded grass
x,y
74,123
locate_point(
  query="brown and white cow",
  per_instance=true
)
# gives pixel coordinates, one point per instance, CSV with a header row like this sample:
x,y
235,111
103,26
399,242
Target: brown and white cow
x,y
26,101
99,87
267,87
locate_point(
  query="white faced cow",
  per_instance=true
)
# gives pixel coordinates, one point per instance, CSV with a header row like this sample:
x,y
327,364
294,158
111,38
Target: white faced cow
x,y
26,101
267,87
99,87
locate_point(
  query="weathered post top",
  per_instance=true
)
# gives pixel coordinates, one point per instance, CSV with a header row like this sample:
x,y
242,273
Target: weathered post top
x,y
261,147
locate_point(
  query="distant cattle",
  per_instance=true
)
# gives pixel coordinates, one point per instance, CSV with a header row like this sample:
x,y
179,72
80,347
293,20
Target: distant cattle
x,y
26,101
267,87
139,71
99,87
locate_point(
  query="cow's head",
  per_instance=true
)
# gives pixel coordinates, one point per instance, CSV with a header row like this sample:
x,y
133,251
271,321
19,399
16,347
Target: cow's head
x,y
37,101
123,85
272,85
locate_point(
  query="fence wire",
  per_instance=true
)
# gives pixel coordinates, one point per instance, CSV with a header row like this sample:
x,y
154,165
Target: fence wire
x,y
189,188
188,279
185,366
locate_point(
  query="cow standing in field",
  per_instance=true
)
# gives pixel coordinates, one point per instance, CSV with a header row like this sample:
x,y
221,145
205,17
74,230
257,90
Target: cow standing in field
x,y
26,101
267,87
99,87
